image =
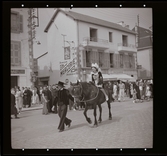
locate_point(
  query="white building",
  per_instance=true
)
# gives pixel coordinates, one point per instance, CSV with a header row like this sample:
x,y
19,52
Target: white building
x,y
110,45
21,54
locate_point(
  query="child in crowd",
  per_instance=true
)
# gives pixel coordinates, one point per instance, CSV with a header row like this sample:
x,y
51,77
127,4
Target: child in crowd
x,y
134,95
148,92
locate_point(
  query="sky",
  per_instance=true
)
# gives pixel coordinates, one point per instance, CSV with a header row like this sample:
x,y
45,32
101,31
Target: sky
x,y
115,15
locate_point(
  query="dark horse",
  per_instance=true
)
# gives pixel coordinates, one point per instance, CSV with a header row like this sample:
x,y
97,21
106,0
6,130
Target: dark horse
x,y
91,96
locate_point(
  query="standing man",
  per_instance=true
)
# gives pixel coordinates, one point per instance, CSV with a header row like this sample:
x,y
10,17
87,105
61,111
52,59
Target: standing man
x,y
50,98
29,95
13,104
127,88
141,84
54,97
121,91
63,101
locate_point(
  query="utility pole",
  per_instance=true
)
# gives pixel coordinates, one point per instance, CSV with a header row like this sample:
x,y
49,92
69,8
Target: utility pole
x,y
138,28
138,40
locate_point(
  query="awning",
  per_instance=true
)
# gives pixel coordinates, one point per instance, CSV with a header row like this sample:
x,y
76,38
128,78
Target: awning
x,y
117,77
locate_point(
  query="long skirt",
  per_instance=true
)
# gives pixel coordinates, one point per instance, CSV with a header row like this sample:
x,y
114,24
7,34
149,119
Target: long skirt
x,y
13,110
45,106
20,102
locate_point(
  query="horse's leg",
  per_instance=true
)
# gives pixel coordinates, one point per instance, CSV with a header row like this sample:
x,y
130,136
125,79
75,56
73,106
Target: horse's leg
x,y
100,110
95,123
85,114
109,107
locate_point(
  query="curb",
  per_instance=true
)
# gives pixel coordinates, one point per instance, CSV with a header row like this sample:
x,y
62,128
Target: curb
x,y
29,109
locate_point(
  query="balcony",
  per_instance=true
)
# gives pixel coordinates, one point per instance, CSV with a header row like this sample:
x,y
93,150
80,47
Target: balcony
x,y
94,42
130,48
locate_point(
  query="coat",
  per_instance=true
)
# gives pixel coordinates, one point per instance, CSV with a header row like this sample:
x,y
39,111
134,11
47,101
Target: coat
x,y
64,96
13,105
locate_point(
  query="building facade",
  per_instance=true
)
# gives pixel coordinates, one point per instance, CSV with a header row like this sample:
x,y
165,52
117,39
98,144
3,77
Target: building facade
x,y
145,53
21,48
86,40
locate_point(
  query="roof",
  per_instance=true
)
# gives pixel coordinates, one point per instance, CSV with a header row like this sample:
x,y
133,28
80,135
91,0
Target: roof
x,y
145,37
88,19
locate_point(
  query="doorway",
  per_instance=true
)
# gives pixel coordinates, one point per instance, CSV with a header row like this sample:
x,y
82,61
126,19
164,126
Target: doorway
x,y
13,81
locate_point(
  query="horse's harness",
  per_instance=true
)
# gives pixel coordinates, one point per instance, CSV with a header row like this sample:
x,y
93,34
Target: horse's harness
x,y
83,96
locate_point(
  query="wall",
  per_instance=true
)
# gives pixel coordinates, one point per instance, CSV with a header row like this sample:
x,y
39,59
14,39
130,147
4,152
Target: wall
x,y
62,25
23,80
103,33
144,58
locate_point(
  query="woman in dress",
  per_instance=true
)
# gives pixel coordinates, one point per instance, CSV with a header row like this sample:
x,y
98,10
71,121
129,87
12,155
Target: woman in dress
x,y
148,92
45,101
115,91
19,99
25,97
13,104
35,97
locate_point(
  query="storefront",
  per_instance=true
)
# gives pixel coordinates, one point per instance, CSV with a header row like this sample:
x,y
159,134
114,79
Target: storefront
x,y
20,77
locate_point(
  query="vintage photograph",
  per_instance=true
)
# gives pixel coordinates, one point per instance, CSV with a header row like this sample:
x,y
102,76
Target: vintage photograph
x,y
81,78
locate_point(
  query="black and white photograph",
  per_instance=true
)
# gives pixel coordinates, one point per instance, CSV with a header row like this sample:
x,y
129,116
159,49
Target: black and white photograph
x,y
81,78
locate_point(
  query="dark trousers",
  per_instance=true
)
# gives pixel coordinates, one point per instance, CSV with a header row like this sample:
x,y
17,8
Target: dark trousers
x,y
29,101
54,104
62,112
50,105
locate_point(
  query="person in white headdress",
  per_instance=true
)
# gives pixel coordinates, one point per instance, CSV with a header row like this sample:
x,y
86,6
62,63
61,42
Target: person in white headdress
x,y
97,78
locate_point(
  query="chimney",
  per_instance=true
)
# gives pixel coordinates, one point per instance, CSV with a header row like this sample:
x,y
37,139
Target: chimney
x,y
127,26
121,23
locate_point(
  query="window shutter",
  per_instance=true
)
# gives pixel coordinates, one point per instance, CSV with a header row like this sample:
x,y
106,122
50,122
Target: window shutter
x,y
19,53
84,58
12,61
118,60
106,60
115,60
133,62
92,56
21,23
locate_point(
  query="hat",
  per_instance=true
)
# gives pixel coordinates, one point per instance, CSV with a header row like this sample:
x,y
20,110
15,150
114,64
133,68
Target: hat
x,y
95,65
61,84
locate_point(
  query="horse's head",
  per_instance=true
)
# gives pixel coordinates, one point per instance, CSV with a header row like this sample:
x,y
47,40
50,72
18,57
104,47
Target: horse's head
x,y
76,91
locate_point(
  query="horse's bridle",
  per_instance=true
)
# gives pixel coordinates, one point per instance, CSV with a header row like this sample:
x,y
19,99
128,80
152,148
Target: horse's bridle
x,y
83,96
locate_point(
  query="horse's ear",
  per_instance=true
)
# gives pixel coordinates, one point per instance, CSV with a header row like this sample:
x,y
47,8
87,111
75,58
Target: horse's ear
x,y
71,83
77,82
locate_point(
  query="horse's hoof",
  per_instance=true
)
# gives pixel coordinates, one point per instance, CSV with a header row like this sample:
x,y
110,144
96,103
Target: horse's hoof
x,y
110,118
99,121
95,125
89,121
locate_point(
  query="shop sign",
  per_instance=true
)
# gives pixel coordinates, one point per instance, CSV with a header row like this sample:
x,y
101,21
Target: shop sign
x,y
16,71
66,68
139,66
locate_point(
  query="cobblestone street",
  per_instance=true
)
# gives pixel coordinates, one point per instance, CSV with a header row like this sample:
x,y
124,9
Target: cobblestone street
x,y
131,127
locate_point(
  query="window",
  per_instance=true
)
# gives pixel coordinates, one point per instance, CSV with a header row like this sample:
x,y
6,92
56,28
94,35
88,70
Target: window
x,y
15,53
101,59
124,40
126,61
121,60
93,35
88,59
110,36
111,61
16,22
130,61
